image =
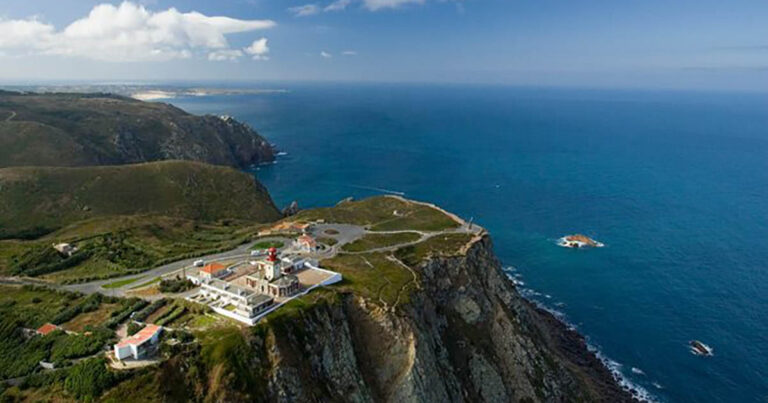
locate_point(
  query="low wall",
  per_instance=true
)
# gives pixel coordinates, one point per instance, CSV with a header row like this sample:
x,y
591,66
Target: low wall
x,y
232,315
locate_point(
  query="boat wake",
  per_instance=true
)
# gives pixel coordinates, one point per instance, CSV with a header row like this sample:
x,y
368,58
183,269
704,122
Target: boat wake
x,y
375,189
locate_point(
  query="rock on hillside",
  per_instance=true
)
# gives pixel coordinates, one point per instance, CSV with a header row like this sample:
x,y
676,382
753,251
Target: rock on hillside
x,y
37,200
103,129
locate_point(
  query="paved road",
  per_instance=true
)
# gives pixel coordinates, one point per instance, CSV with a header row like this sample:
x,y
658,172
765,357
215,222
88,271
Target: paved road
x,y
95,286
346,233
11,116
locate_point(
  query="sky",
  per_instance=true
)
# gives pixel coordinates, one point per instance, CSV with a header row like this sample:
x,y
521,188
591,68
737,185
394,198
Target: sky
x,y
702,44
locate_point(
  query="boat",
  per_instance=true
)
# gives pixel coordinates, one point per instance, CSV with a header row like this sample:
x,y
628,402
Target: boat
x,y
700,348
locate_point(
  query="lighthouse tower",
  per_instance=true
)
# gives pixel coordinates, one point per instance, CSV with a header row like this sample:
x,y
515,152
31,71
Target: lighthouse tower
x,y
272,266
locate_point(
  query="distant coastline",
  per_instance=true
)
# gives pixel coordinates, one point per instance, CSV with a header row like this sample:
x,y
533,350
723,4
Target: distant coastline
x,y
151,94
144,92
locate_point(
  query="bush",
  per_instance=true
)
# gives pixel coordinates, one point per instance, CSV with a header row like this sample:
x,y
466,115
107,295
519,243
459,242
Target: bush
x,y
89,304
130,306
89,378
175,285
76,346
133,328
173,315
142,315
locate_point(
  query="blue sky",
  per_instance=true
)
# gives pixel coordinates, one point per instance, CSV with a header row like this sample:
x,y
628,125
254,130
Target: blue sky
x,y
648,44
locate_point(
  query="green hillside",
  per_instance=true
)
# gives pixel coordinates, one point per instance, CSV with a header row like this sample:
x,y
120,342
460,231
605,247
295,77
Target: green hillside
x,y
38,200
103,129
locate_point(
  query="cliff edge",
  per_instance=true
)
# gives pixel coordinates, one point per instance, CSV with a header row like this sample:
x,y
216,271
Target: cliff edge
x,y
451,328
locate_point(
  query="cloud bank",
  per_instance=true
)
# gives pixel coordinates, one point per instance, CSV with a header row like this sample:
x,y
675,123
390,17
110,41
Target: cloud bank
x,y
129,32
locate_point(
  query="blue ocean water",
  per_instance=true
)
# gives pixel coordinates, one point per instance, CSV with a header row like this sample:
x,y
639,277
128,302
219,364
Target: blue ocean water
x,y
675,184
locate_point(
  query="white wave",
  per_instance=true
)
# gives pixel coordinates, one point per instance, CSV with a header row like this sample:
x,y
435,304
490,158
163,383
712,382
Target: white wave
x,y
638,371
382,190
281,153
639,392
657,385
614,367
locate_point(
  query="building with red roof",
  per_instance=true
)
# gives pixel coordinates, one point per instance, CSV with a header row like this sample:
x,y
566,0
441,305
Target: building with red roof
x,y
213,270
138,345
46,328
306,243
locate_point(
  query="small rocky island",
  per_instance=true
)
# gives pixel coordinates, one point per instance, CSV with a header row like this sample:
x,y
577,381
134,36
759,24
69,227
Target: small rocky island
x,y
578,241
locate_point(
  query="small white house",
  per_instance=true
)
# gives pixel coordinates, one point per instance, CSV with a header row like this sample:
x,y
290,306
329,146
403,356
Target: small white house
x,y
139,344
65,248
306,243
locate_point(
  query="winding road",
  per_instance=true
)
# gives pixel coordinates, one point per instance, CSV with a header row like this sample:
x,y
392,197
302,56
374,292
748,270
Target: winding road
x,y
342,233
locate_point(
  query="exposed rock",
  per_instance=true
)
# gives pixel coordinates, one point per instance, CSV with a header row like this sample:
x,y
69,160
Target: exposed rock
x,y
465,335
291,209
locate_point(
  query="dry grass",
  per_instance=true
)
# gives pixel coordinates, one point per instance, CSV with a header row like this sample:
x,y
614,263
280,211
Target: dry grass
x,y
95,318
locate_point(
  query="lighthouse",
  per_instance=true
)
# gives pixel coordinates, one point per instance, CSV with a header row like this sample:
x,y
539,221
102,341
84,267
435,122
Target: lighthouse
x,y
272,266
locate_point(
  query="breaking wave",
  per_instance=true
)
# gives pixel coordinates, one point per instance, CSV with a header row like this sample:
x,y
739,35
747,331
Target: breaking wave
x,y
614,367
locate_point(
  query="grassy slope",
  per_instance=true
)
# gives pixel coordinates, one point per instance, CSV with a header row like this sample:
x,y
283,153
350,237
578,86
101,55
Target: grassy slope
x,y
101,129
374,241
38,200
120,244
378,213
220,363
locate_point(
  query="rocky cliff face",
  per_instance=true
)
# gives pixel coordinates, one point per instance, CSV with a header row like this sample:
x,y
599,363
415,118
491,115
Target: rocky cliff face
x,y
465,335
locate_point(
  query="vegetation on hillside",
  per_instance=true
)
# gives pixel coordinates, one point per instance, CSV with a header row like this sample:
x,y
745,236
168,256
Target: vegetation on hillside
x,y
37,200
382,213
100,129
375,241
175,285
116,246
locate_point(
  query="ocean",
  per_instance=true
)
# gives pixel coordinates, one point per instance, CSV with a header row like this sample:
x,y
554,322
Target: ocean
x,y
674,183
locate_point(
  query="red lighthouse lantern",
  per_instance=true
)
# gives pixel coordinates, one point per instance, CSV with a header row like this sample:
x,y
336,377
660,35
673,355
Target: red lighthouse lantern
x,y
272,255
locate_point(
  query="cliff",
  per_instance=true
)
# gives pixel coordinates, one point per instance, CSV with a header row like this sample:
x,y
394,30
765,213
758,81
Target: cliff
x,y
103,129
463,334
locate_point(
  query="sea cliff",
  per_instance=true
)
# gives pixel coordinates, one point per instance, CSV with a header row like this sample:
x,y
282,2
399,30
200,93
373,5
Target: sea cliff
x,y
465,334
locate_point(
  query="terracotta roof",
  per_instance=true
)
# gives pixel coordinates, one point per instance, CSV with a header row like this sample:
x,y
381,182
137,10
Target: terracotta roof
x,y
212,268
47,328
140,337
307,240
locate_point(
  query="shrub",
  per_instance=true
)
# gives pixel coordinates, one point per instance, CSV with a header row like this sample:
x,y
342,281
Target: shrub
x,y
175,285
88,379
142,315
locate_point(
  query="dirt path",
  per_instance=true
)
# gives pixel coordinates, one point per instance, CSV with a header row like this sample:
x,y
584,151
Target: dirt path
x,y
12,115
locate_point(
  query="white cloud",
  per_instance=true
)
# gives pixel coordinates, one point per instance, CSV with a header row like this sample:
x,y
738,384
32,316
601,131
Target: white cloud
x,y
338,5
375,5
258,49
305,10
225,55
326,55
349,53
129,32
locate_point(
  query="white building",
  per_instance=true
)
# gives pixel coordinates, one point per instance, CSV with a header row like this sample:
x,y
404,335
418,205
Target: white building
x,y
306,243
232,300
138,345
65,248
